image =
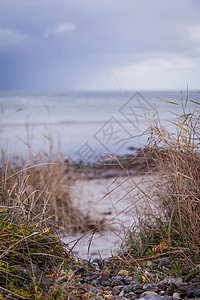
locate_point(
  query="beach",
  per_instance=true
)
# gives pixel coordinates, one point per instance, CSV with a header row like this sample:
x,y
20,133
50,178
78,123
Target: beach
x,y
116,200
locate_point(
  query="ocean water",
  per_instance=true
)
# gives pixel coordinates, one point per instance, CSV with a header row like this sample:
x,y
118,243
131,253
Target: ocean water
x,y
83,125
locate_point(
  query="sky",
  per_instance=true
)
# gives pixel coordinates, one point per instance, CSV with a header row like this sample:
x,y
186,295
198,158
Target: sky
x,y
61,45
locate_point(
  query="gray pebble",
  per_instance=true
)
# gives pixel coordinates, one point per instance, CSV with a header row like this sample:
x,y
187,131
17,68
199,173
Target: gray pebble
x,y
128,279
148,293
176,281
162,293
154,297
117,281
148,286
132,296
193,292
176,296
105,283
128,289
115,291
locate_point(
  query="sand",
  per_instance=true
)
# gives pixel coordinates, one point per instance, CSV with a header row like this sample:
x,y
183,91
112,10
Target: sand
x,y
116,200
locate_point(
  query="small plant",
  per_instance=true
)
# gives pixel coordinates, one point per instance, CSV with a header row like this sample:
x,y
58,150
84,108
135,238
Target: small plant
x,y
29,255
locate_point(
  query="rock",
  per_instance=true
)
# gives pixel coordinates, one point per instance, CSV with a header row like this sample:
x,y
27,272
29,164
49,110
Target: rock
x,y
96,282
132,296
122,280
115,291
138,292
104,276
184,288
176,296
148,286
176,281
148,293
105,283
163,283
128,289
91,277
134,281
138,286
154,297
121,294
128,279
97,261
193,292
118,280
162,293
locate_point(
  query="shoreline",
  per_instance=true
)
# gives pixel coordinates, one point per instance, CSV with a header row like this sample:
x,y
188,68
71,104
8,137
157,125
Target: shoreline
x,y
112,199
140,162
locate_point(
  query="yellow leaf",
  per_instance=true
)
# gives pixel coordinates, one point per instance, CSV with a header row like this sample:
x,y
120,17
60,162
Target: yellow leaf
x,y
143,279
45,230
123,272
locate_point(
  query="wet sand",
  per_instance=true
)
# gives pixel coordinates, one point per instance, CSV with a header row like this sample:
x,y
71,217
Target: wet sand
x,y
117,199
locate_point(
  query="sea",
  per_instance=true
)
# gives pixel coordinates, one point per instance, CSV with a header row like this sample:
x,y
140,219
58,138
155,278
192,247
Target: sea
x,y
85,126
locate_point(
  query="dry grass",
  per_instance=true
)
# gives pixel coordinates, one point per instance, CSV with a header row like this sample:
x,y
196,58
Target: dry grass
x,y
175,230
35,202
41,186
43,193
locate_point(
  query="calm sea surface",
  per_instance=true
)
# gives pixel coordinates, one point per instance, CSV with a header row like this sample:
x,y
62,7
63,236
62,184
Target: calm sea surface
x,y
83,125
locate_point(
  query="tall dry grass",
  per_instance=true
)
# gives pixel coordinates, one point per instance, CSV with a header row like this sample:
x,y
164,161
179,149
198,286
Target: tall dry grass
x,y
173,229
41,188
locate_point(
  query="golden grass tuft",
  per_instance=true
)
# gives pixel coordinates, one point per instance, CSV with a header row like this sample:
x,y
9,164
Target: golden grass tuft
x,y
170,223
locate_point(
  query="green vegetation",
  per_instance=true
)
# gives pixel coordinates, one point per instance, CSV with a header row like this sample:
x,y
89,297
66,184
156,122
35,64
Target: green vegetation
x,y
29,256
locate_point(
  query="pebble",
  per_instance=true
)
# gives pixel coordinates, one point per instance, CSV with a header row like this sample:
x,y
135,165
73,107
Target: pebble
x,y
117,281
132,296
147,293
128,288
176,281
128,279
148,286
193,292
104,276
116,291
106,283
176,296
154,297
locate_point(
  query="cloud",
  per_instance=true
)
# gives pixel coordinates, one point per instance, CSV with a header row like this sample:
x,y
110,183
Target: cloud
x,y
9,37
158,73
60,30
155,73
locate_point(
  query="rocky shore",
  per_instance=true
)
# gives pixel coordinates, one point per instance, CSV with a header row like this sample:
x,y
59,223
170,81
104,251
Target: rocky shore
x,y
106,280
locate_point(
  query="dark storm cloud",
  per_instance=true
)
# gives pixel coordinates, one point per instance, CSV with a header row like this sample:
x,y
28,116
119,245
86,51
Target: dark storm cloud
x,y
75,44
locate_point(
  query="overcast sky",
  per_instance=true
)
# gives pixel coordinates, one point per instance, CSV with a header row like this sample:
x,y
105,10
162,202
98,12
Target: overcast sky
x,y
99,44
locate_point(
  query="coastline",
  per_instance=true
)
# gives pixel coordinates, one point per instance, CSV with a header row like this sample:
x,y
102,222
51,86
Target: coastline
x,y
113,200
